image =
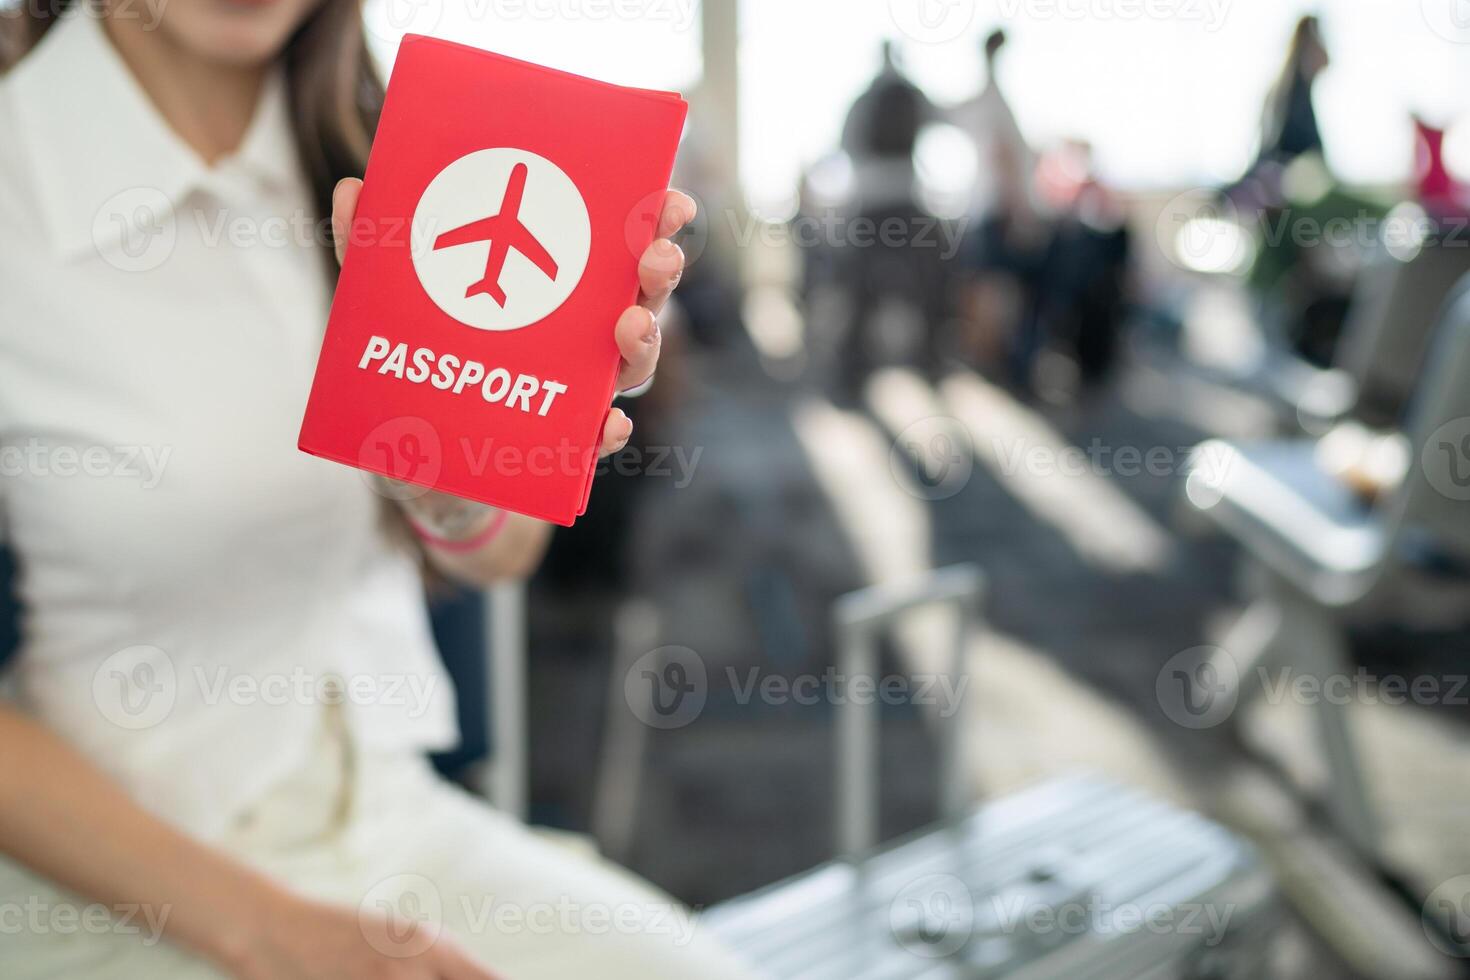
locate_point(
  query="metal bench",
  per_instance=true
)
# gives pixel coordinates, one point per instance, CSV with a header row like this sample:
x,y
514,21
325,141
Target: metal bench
x,y
1394,309
1330,559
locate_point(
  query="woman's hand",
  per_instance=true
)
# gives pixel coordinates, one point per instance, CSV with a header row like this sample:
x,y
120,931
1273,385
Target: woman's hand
x,y
512,546
639,340
305,940
637,333
249,925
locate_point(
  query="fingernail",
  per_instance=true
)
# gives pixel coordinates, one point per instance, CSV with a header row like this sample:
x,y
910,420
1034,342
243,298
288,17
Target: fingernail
x,y
650,335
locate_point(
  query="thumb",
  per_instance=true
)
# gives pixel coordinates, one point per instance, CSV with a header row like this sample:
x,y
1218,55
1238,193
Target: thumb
x,y
344,206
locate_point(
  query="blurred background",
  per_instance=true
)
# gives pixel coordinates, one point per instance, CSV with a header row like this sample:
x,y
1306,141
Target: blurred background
x,y
1147,309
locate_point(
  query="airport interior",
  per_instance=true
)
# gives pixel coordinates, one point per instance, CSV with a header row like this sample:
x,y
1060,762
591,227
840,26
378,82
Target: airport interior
x,y
1044,549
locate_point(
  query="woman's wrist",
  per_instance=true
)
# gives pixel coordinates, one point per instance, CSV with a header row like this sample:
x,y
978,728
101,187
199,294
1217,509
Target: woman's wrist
x,y
239,940
448,523
468,535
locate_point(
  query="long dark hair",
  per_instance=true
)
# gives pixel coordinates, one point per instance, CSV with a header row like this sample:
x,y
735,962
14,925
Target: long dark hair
x,y
335,92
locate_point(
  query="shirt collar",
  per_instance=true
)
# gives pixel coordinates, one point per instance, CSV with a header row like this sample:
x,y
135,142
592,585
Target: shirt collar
x,y
101,153
267,155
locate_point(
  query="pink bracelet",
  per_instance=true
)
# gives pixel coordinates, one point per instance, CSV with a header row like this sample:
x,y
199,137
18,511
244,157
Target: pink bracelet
x,y
492,530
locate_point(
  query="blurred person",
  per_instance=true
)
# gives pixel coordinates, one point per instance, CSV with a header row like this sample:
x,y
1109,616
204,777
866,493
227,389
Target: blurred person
x,y
895,283
1301,279
1005,162
1288,129
1289,124
260,836
1003,251
709,293
881,133
1085,276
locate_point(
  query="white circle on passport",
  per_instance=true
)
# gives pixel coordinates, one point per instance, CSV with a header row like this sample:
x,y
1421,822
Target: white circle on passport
x,y
500,238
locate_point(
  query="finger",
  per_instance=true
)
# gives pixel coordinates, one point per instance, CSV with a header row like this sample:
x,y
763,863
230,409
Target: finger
x,y
679,210
344,206
639,340
616,431
659,271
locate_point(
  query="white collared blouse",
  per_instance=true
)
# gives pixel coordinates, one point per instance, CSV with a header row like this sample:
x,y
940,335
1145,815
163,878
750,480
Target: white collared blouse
x,y
194,586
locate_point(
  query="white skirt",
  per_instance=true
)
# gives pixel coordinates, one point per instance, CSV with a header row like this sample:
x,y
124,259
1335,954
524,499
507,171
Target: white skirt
x,y
385,832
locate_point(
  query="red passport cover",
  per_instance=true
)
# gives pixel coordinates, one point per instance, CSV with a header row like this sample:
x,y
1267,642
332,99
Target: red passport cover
x,y
470,346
